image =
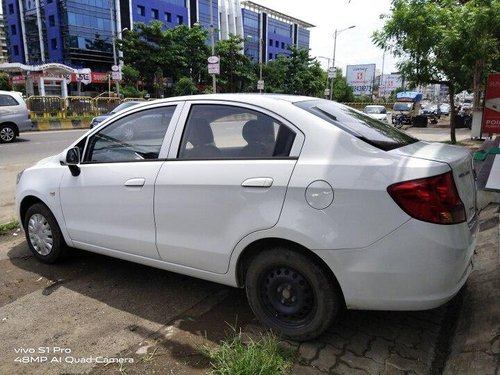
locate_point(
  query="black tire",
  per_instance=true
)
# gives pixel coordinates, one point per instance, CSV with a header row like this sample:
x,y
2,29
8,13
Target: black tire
x,y
43,234
7,133
290,294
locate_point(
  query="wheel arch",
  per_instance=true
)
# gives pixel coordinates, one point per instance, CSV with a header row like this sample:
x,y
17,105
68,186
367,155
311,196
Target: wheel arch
x,y
266,244
13,125
26,203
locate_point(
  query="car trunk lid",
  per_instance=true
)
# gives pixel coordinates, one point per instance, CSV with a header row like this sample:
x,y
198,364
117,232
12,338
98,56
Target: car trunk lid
x,y
459,159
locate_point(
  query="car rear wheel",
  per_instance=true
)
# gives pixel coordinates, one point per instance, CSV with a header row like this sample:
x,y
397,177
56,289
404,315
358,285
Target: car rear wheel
x,y
290,294
43,234
7,133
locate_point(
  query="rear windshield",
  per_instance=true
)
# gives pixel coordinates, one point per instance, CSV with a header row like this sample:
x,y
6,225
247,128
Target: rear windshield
x,y
372,131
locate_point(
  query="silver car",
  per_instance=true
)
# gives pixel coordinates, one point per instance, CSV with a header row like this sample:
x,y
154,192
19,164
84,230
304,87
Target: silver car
x,y
14,116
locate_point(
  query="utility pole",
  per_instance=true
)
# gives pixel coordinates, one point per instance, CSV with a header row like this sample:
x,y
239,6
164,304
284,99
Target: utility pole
x,y
334,49
212,42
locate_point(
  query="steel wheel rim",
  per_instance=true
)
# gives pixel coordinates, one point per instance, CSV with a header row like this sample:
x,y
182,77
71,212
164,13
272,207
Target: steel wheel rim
x,y
287,296
40,234
6,134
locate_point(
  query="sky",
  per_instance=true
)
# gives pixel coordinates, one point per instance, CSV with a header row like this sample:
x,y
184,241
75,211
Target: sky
x,y
354,46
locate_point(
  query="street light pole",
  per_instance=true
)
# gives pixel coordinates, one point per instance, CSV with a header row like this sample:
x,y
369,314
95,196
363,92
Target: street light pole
x,y
212,42
327,73
334,50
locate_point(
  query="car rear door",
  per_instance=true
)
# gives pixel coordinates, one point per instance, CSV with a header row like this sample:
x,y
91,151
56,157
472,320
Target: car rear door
x,y
221,182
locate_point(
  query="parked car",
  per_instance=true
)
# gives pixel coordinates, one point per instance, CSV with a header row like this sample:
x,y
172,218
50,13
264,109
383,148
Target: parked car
x,y
376,111
308,204
445,109
14,116
98,119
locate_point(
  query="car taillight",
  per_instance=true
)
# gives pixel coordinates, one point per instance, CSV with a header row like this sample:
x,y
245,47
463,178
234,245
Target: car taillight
x,y
432,199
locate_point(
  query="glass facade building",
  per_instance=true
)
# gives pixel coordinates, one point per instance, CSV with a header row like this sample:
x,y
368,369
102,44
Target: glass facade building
x,y
80,33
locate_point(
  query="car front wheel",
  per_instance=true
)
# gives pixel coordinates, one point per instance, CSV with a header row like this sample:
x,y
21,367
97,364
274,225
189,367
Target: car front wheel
x,y
43,234
7,133
290,294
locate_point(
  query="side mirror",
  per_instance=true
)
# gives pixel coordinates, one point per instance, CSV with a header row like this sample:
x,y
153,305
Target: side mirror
x,y
73,156
72,159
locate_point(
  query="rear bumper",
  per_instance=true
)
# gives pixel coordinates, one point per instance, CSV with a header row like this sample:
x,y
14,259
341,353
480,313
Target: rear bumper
x,y
419,266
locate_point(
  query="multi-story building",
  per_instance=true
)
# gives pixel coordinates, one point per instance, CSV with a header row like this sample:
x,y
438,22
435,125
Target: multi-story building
x,y
82,33
270,32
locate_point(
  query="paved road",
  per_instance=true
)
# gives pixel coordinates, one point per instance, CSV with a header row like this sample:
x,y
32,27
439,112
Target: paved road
x,y
27,150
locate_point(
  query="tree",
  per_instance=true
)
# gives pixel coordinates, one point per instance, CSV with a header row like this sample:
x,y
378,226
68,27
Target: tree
x,y
296,74
155,51
443,41
184,86
342,92
4,82
236,69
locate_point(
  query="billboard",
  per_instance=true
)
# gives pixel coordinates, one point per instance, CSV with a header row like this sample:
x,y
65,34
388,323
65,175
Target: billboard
x,y
491,116
360,78
389,83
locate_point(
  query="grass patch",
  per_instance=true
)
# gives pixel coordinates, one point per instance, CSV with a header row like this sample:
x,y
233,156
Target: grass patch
x,y
233,356
7,227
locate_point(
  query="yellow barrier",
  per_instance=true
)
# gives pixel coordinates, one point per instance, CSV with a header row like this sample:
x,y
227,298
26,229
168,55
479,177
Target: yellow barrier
x,y
45,106
104,104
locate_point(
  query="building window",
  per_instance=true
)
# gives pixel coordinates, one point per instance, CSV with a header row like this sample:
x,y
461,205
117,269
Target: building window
x,y
11,8
270,56
53,43
277,44
16,50
141,10
155,14
168,16
282,45
52,21
180,20
271,42
49,1
13,30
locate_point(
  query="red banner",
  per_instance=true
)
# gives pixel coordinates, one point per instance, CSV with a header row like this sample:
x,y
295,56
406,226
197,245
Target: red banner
x,y
96,77
491,115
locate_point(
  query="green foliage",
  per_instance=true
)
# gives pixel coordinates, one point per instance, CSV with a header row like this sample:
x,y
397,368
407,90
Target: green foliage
x,y
449,42
262,357
4,82
130,74
342,92
7,227
296,74
184,86
154,51
131,92
236,69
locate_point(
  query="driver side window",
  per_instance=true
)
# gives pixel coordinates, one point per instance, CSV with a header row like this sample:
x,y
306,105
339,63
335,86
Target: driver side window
x,y
136,137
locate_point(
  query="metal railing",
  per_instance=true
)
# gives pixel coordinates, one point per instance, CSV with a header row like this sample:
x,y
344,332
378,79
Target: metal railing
x,y
72,106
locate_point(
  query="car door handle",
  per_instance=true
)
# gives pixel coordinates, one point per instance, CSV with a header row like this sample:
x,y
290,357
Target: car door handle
x,y
259,182
135,182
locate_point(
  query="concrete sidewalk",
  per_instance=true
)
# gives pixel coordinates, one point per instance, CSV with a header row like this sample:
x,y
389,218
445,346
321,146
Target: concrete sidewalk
x,y
475,347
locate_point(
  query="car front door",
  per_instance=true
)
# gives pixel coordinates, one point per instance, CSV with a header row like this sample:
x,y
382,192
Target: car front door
x,y
226,177
109,205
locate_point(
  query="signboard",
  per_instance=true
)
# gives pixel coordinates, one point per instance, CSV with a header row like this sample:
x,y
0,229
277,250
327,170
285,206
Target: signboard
x,y
332,71
116,76
491,115
389,83
213,65
84,76
260,85
360,78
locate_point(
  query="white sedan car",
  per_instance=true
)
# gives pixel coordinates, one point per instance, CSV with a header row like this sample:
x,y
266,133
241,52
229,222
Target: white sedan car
x,y
378,112
308,204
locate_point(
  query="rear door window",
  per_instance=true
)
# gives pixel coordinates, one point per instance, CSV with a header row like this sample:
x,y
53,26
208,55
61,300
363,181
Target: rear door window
x,y
372,131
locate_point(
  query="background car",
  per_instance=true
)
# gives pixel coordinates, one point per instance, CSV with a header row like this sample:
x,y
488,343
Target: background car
x,y
98,119
445,109
378,112
308,204
14,116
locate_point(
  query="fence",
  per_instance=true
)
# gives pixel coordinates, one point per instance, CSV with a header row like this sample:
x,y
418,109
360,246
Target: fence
x,y
43,107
